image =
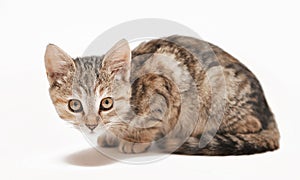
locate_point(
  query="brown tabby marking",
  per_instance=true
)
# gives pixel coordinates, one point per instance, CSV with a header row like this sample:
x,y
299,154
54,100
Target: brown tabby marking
x,y
160,101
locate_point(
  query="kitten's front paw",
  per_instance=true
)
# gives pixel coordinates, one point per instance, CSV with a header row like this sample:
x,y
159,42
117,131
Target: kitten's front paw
x,y
107,140
133,148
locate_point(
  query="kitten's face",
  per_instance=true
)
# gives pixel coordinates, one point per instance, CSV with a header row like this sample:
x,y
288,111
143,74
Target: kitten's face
x,y
90,90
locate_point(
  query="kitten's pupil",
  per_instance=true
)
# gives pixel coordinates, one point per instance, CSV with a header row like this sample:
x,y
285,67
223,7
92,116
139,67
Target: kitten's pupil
x,y
106,101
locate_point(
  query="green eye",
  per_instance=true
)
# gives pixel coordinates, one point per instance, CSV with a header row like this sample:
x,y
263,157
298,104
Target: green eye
x,y
106,104
75,105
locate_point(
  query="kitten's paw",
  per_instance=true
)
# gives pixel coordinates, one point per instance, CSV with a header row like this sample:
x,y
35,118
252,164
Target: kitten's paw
x,y
133,148
107,140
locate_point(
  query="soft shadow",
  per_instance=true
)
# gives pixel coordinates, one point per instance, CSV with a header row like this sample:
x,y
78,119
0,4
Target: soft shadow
x,y
91,157
88,157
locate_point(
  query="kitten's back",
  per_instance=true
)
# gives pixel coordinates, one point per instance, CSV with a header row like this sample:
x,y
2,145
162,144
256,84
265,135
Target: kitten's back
x,y
248,125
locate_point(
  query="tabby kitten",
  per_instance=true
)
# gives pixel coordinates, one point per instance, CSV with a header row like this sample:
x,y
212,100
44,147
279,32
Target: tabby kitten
x,y
168,91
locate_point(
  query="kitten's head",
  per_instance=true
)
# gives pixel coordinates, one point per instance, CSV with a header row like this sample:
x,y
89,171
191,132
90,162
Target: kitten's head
x,y
90,90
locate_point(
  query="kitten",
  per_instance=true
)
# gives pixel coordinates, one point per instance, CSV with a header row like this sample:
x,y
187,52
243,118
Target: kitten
x,y
167,90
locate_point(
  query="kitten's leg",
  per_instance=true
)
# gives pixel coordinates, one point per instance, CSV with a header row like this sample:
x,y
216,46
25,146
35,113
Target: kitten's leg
x,y
156,101
134,139
233,144
133,147
108,139
237,142
243,137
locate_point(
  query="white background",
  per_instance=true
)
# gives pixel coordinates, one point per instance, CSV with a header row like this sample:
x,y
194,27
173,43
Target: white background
x,y
36,144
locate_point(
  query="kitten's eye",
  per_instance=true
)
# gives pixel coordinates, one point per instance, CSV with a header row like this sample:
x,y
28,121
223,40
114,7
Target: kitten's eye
x,y
75,105
106,104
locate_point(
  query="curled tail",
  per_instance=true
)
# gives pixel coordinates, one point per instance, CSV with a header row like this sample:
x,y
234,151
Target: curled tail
x,y
233,144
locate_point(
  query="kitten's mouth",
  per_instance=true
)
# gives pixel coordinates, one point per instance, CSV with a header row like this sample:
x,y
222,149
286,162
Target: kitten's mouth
x,y
94,127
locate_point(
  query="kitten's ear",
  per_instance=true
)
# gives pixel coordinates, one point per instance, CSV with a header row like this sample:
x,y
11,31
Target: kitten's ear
x,y
117,60
58,63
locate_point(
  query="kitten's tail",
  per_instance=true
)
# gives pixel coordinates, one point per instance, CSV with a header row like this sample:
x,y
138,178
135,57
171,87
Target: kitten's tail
x,y
232,144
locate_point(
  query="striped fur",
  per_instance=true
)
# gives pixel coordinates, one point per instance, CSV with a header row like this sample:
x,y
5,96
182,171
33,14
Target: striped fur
x,y
171,91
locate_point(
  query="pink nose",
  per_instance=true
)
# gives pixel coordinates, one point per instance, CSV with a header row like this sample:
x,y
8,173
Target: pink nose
x,y
91,126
